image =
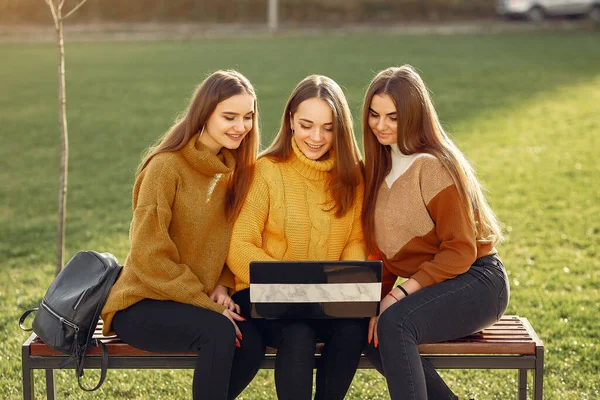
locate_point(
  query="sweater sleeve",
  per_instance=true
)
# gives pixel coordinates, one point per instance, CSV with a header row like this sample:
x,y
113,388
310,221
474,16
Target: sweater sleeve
x,y
388,278
226,279
247,236
154,257
458,247
355,248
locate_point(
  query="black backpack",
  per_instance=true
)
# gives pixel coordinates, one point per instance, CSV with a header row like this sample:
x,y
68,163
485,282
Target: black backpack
x,y
67,316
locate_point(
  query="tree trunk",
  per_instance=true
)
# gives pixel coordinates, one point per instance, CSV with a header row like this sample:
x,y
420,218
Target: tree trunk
x,y
273,15
64,159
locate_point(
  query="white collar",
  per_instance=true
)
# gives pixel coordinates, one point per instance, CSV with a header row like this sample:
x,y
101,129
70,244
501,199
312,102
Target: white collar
x,y
400,163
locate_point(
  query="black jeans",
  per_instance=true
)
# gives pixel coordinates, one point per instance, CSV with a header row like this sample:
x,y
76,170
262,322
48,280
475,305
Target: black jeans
x,y
222,371
344,340
448,310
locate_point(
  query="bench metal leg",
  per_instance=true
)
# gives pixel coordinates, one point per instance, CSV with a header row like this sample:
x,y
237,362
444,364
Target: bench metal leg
x,y
28,380
538,391
522,384
50,390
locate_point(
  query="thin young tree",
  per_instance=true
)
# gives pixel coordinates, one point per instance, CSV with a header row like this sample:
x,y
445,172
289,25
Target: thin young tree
x,y
273,15
59,16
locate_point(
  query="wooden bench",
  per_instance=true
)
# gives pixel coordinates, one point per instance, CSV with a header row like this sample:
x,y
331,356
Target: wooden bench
x,y
511,343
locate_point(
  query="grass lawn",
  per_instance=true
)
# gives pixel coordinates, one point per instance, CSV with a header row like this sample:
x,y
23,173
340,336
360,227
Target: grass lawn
x,y
524,107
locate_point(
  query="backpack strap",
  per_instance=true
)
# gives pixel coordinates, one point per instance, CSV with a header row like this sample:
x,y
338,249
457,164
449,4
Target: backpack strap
x,y
24,317
103,366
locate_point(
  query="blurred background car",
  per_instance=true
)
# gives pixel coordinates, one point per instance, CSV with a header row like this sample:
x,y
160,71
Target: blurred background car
x,y
538,10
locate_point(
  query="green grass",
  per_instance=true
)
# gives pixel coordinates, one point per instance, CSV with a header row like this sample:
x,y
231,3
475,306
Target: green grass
x,y
523,107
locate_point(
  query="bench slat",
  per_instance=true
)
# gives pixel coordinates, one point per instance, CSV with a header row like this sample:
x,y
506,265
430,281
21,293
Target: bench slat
x,y
510,336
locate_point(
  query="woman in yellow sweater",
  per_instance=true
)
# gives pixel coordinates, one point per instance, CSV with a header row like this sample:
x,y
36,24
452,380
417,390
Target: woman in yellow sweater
x,y
305,203
426,214
171,295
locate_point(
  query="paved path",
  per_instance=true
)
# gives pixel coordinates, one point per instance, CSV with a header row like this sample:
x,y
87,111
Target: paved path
x,y
186,31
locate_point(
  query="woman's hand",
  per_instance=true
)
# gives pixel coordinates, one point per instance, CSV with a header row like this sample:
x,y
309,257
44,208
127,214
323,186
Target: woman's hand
x,y
234,317
385,303
394,296
373,331
220,296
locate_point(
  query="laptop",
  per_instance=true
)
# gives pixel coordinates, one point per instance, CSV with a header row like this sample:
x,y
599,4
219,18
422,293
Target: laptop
x,y
315,289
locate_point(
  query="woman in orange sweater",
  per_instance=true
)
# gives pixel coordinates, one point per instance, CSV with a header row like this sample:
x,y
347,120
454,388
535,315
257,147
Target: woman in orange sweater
x,y
172,294
305,204
426,215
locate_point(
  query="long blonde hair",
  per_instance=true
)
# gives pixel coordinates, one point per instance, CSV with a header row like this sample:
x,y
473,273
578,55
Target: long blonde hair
x,y
347,173
217,87
419,131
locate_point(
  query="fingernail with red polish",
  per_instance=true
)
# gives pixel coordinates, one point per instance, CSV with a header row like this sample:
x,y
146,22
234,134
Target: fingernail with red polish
x,y
239,336
237,343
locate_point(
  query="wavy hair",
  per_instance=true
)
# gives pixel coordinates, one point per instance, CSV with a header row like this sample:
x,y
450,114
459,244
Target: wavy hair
x,y
419,131
217,87
348,170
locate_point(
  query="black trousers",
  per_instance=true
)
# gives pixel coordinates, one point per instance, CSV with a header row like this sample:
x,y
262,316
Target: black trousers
x,y
344,340
448,310
222,371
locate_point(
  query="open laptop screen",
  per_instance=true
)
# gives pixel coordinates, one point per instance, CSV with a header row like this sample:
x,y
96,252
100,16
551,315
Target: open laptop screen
x,y
315,289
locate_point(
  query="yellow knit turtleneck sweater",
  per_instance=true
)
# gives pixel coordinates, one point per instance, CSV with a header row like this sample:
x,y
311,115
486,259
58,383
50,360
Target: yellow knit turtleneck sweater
x,y
289,215
179,233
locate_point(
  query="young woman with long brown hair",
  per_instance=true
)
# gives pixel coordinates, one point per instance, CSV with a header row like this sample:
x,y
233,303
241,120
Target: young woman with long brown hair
x,y
426,217
172,294
305,204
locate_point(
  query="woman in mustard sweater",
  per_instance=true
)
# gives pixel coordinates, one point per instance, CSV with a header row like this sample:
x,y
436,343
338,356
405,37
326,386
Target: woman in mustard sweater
x,y
426,214
305,204
171,295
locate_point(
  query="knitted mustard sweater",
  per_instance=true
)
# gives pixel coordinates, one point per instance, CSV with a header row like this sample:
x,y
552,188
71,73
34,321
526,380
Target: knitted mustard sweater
x,y
288,216
179,233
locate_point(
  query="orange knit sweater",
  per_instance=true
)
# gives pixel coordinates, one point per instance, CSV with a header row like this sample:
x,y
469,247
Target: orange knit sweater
x,y
179,233
421,226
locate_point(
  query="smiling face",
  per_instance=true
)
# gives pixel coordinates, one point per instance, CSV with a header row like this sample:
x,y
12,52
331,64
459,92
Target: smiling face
x,y
383,119
229,123
312,124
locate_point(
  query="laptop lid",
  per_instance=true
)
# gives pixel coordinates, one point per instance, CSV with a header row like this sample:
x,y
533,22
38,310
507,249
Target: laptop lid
x,y
315,289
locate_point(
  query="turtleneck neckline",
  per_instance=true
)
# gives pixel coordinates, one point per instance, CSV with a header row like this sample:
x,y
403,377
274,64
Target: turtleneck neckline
x,y
311,169
396,151
400,163
205,162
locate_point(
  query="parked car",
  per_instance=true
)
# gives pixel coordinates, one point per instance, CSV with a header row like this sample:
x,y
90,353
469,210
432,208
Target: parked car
x,y
538,10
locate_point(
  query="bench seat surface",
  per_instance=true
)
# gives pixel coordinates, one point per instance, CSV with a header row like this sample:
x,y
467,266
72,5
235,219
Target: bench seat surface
x,y
511,335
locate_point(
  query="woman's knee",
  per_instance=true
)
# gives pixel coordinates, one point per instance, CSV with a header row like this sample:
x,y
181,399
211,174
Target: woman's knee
x,y
352,330
217,331
298,332
395,324
252,340
352,326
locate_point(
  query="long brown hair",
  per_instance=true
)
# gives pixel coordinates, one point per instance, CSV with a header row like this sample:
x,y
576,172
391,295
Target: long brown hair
x,y
217,87
419,131
347,173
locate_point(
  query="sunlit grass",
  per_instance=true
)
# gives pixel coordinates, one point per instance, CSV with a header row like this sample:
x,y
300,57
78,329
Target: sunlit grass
x,y
524,108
